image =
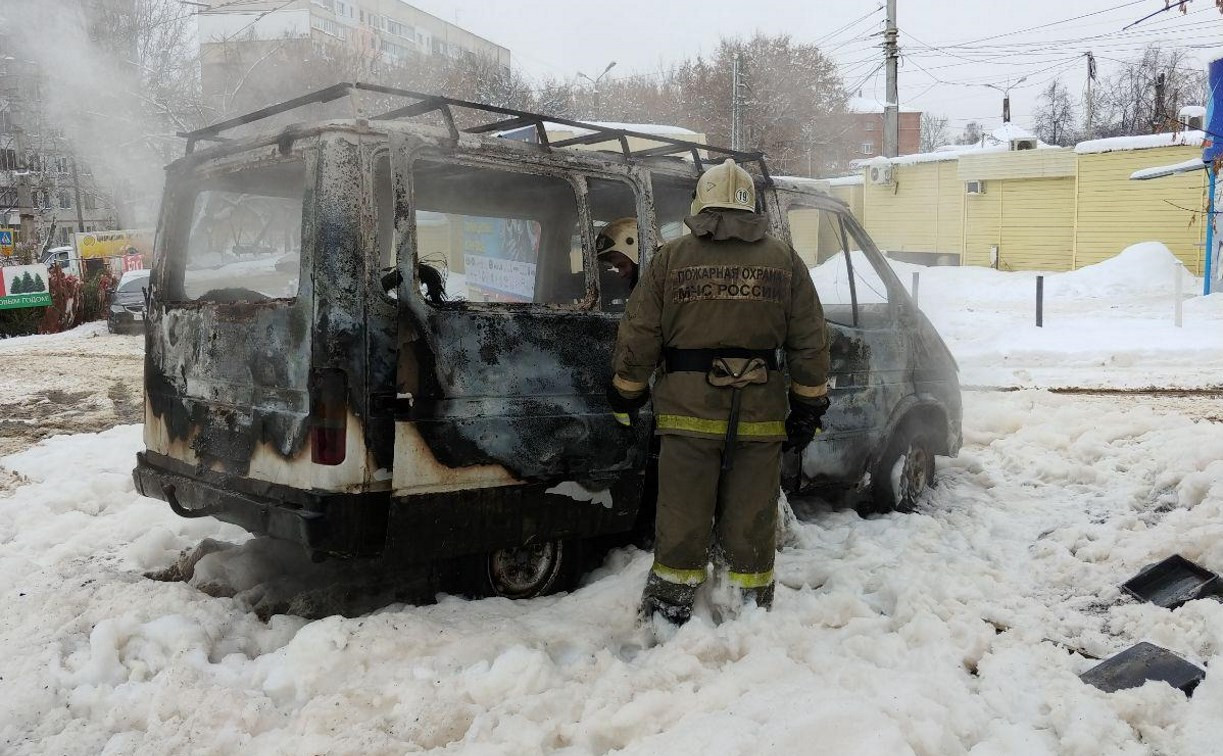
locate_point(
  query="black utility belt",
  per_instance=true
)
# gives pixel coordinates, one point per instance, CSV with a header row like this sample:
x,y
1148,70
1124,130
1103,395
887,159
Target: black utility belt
x,y
701,360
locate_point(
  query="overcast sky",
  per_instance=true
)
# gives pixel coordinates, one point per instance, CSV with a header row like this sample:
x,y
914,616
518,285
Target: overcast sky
x,y
560,38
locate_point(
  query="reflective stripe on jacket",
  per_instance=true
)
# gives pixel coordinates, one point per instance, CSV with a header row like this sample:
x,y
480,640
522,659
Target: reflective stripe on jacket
x,y
727,285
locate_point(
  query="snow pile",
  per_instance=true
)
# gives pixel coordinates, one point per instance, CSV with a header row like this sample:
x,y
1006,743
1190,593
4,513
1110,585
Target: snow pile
x,y
958,629
1141,269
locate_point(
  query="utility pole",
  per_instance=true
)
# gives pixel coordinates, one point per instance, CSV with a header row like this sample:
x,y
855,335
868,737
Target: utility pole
x,y
891,108
1090,105
734,103
1157,117
76,190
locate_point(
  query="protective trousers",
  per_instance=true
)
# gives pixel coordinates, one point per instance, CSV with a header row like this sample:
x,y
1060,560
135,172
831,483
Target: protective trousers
x,y
697,498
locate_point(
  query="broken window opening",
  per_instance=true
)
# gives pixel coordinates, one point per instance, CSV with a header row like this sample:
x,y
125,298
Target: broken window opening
x,y
610,200
496,236
673,197
244,237
850,287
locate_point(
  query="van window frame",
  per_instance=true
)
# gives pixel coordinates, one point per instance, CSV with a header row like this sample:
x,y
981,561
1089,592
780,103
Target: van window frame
x,y
847,227
405,230
177,215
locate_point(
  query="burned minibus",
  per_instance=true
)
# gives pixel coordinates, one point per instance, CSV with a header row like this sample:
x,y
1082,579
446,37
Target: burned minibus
x,y
389,335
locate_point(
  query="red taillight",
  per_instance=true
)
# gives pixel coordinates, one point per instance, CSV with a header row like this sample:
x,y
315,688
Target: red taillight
x,y
328,416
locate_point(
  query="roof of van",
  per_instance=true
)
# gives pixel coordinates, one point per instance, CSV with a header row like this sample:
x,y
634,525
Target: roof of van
x,y
661,142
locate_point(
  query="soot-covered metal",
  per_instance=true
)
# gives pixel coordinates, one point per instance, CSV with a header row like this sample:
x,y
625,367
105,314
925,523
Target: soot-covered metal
x,y
234,378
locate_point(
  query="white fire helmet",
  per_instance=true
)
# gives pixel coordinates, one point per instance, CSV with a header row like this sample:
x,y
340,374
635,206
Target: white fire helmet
x,y
619,236
726,186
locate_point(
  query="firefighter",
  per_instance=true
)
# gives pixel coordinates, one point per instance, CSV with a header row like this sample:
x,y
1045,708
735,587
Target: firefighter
x,y
713,309
617,245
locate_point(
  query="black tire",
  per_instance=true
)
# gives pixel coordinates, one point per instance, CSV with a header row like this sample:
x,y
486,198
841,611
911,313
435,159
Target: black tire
x,y
899,490
524,572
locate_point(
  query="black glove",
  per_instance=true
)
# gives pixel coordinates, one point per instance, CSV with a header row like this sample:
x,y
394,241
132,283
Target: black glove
x,y
624,408
805,420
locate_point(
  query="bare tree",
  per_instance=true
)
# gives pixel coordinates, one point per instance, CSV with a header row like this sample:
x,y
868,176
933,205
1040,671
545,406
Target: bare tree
x,y
1055,115
933,132
1125,103
972,133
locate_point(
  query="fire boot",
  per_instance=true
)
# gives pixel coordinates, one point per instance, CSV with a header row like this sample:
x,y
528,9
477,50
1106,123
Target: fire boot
x,y
671,599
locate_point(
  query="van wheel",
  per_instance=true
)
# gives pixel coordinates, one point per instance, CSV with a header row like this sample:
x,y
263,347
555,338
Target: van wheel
x,y
904,471
523,572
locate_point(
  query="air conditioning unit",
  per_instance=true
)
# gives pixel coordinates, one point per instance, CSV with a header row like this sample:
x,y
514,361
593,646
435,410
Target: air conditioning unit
x,y
881,174
1192,116
974,187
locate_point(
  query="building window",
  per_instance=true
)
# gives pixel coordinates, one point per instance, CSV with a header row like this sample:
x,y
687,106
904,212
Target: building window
x,y
42,199
867,148
62,165
870,125
8,198
393,50
89,202
328,4
327,26
8,160
65,200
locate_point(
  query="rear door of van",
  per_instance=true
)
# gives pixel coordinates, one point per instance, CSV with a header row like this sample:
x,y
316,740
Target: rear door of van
x,y
507,326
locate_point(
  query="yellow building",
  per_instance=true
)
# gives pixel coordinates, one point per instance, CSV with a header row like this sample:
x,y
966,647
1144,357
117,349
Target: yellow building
x,y
1018,205
1018,209
912,206
1115,212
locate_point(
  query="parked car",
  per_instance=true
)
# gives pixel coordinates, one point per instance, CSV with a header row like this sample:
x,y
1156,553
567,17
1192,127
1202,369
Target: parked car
x,y
127,303
428,382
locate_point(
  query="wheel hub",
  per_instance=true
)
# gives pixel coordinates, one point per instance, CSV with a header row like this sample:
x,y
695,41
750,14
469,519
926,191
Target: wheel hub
x,y
523,570
914,476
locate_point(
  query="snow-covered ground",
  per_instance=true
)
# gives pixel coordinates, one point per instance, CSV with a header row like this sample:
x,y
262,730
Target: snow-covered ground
x,y
959,629
1108,325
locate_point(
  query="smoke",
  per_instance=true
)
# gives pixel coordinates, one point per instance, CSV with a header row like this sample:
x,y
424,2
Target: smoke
x,y
93,88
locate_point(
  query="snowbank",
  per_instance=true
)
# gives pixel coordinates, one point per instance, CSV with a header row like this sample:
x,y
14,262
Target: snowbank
x,y
83,331
1139,270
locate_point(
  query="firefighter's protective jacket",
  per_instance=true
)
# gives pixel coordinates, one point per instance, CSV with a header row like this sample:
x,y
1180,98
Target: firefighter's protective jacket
x,y
727,285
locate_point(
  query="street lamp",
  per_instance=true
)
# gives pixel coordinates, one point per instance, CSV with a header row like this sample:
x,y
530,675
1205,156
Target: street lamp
x,y
1006,97
595,81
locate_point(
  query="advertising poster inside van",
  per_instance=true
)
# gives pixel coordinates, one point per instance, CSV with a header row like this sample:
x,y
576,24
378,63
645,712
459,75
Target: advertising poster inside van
x,y
499,257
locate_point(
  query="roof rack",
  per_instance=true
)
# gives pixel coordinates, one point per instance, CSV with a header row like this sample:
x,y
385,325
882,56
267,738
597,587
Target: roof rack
x,y
508,119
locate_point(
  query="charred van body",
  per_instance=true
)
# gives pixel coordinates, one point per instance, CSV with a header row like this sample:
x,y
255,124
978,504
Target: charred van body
x,y
384,337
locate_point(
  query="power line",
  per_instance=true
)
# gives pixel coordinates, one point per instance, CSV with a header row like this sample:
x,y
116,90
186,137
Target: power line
x,y
1045,26
837,31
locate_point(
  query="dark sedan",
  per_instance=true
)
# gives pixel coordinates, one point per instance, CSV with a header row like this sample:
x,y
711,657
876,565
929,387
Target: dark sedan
x,y
127,303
